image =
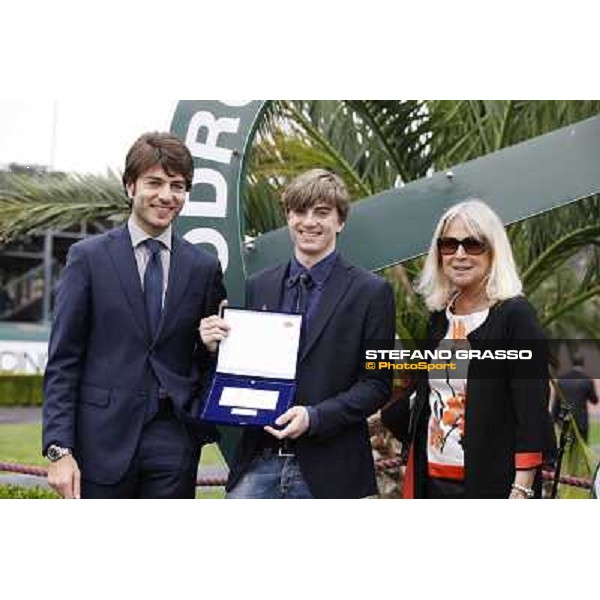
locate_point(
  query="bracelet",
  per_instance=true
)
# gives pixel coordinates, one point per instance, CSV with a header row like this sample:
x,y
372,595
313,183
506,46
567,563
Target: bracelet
x,y
527,492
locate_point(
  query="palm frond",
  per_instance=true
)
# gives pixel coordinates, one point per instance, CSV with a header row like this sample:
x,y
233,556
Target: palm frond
x,y
570,303
32,204
402,130
470,129
558,253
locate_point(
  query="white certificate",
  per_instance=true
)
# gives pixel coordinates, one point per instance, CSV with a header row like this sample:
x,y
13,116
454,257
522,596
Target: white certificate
x,y
260,344
245,398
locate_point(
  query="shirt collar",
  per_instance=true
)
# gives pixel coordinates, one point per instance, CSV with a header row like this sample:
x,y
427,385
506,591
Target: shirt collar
x,y
138,235
319,272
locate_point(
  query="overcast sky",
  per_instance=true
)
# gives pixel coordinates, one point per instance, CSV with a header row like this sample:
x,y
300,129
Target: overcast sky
x,y
90,136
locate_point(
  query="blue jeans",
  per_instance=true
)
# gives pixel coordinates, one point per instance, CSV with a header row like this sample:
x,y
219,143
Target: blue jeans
x,y
270,476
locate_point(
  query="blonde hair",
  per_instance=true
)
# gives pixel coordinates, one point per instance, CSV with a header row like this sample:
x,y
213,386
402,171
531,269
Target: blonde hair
x,y
482,222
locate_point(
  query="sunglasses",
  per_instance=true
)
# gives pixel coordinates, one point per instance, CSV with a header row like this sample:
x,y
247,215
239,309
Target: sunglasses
x,y
449,245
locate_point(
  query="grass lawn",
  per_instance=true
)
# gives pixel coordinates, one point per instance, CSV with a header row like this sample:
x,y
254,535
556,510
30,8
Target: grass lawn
x,y
594,432
21,443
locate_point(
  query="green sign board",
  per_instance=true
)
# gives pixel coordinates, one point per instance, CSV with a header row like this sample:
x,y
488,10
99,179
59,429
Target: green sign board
x,y
219,135
518,182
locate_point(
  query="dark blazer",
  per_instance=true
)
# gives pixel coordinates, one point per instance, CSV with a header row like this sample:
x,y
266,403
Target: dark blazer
x,y
506,415
355,307
101,352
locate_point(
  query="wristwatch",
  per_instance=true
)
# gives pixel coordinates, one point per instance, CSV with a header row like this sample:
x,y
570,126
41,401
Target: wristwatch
x,y
55,452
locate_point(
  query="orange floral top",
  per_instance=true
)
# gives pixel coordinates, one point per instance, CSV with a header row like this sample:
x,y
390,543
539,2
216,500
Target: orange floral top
x,y
447,399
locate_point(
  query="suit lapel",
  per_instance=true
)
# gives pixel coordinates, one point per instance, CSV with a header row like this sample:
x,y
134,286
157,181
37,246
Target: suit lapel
x,y
180,276
268,295
335,289
123,259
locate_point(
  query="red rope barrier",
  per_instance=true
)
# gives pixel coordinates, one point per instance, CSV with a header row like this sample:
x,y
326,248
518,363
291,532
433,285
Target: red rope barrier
x,y
387,464
381,465
211,481
43,472
23,469
580,482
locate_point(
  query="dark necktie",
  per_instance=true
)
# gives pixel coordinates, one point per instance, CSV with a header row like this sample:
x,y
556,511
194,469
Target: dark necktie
x,y
302,283
153,285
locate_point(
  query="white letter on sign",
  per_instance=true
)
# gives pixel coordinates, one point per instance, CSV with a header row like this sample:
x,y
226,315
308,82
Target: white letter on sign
x,y
209,150
203,235
218,208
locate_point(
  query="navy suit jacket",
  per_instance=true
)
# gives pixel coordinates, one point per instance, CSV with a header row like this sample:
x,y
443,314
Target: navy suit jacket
x,y
356,307
101,352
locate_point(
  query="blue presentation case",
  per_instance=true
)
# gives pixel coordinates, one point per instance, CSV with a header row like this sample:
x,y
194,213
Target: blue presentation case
x,y
215,412
227,411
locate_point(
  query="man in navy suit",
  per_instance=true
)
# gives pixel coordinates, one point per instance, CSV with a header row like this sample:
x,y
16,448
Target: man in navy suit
x,y
320,447
125,365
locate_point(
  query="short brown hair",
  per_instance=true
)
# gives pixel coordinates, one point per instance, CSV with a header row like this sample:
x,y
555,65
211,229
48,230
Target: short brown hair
x,y
317,185
161,148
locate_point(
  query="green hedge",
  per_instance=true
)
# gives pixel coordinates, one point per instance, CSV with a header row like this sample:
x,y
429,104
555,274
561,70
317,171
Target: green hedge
x,y
14,492
20,390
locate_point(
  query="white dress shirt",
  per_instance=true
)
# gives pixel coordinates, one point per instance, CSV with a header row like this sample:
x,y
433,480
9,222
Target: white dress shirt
x,y
142,253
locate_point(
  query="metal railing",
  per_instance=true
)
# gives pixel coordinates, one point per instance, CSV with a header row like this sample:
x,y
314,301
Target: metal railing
x,y
27,289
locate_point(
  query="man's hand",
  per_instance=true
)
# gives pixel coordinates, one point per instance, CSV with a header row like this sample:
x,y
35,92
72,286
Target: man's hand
x,y
296,421
65,478
214,329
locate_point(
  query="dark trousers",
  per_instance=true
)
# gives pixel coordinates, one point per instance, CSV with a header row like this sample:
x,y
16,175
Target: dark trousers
x,y
164,465
444,489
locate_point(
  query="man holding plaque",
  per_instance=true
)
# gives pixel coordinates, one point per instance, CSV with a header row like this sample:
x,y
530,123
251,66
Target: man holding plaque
x,y
123,374
318,448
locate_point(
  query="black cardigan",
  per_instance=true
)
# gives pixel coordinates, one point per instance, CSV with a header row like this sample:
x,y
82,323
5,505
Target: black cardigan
x,y
506,410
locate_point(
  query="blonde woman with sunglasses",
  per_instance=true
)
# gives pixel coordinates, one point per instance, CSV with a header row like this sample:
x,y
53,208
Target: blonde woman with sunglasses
x,y
481,431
